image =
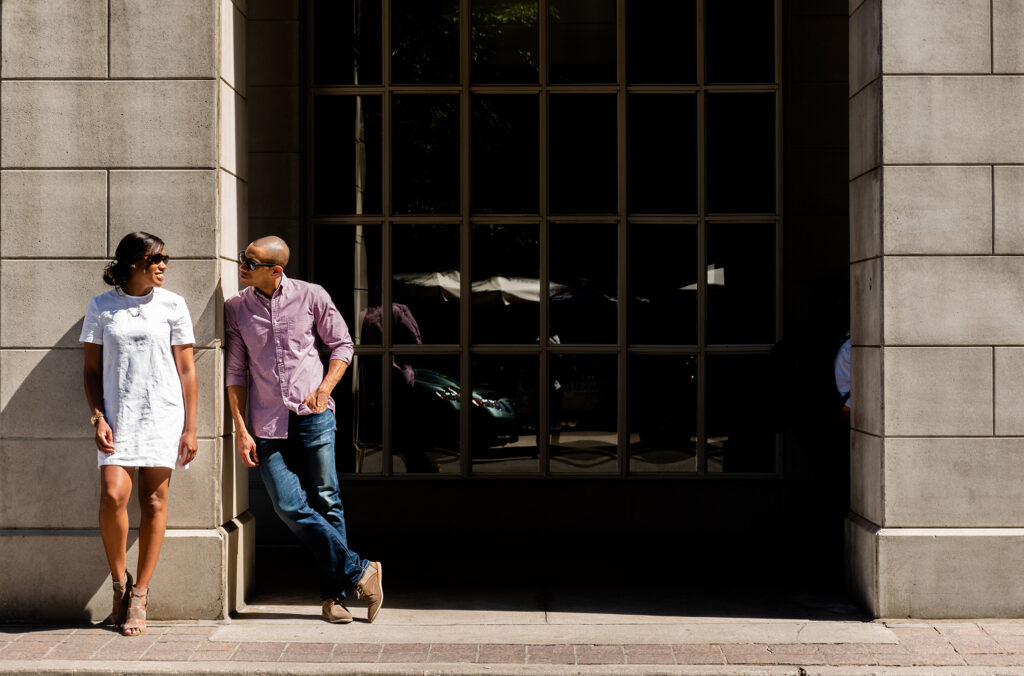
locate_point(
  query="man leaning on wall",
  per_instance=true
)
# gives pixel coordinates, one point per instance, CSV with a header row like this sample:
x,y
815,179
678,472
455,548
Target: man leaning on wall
x,y
273,329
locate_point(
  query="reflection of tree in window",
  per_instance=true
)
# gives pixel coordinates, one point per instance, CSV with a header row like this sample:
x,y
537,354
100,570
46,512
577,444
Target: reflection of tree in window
x,y
504,41
424,41
505,151
425,153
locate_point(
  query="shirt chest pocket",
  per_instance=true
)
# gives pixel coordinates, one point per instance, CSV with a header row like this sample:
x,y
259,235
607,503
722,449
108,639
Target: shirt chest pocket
x,y
301,331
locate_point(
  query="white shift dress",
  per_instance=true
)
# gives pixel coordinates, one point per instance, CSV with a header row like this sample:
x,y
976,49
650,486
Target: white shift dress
x,y
142,396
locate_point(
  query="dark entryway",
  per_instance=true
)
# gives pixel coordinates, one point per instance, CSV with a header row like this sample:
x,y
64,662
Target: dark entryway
x,y
602,216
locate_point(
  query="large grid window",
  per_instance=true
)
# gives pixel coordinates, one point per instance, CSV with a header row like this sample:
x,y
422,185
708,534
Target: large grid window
x,y
554,227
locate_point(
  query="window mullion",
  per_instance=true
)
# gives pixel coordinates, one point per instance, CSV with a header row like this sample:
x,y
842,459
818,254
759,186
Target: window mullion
x,y
702,277
544,388
623,239
385,300
465,241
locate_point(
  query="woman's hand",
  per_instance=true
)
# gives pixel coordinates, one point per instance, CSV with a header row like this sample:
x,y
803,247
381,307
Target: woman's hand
x,y
188,446
104,437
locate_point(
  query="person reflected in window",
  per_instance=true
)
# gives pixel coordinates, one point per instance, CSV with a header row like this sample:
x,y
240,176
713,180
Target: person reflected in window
x,y
273,330
409,439
842,373
140,382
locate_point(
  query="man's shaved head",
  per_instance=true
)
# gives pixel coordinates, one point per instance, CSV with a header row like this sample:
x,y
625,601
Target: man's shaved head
x,y
271,249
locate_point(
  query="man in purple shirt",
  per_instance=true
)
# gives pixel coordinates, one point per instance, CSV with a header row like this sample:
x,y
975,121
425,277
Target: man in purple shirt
x,y
274,328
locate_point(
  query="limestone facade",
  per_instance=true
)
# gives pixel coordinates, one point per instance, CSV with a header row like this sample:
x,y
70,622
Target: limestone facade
x,y
936,87
117,115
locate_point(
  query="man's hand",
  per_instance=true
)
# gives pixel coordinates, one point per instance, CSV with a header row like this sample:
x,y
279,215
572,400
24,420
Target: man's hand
x,y
104,437
316,400
246,449
188,446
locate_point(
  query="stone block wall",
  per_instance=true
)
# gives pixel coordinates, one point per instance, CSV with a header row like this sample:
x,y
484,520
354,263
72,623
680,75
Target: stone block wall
x,y
115,115
937,284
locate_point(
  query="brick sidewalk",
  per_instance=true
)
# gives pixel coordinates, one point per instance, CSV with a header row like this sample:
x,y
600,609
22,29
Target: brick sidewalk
x,y
943,644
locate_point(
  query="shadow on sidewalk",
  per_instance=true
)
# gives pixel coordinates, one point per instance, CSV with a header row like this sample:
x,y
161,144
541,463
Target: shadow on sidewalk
x,y
640,593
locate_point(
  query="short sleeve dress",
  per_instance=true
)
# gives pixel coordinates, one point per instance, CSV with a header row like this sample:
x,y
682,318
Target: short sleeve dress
x,y
142,396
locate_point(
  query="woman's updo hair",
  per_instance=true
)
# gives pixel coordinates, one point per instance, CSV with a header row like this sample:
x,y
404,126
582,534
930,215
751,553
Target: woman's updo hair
x,y
132,248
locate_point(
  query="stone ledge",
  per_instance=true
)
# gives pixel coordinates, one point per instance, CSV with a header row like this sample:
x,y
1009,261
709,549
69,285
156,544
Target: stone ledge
x,y
81,592
939,573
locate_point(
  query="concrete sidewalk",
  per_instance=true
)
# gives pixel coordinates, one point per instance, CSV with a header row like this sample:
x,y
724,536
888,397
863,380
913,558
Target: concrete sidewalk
x,y
529,631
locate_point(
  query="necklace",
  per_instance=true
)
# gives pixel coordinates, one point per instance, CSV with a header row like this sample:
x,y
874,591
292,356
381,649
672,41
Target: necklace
x,y
124,299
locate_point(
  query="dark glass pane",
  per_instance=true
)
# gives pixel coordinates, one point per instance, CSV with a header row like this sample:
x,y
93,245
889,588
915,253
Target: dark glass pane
x,y
662,413
346,42
425,284
740,41
505,150
425,401
741,283
425,154
741,152
661,41
583,153
504,414
506,284
740,434
582,41
504,41
424,41
662,280
346,155
583,282
347,263
584,433
357,400
662,149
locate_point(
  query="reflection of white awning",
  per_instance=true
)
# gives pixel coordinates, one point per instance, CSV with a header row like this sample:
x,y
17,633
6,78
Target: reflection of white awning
x,y
716,277
511,290
500,289
447,282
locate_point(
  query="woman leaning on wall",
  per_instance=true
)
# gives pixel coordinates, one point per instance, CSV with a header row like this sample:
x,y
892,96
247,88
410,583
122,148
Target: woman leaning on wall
x,y
140,383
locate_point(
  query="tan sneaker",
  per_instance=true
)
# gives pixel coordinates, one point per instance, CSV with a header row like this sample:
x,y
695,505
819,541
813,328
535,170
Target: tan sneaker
x,y
334,611
369,589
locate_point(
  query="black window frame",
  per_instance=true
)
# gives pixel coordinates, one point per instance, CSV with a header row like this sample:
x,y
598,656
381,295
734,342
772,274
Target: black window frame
x,y
622,219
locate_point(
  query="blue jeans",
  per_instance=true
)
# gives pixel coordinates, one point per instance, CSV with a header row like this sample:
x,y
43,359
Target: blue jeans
x,y
302,480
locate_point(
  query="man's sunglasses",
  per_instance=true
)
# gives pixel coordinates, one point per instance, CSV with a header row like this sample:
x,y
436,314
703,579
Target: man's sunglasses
x,y
157,259
250,264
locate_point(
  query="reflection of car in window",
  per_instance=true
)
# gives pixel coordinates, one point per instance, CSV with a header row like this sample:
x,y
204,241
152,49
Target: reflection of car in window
x,y
436,403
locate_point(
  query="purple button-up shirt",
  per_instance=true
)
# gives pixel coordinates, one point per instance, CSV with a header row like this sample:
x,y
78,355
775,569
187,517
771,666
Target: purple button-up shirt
x,y
272,348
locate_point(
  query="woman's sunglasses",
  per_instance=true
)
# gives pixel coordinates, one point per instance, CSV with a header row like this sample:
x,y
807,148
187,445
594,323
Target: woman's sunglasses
x,y
157,259
250,264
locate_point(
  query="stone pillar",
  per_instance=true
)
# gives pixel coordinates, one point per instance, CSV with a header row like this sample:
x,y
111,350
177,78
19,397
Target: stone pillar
x,y
115,115
937,284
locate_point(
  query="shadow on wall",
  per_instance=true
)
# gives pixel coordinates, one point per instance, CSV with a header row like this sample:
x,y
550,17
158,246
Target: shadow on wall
x,y
49,489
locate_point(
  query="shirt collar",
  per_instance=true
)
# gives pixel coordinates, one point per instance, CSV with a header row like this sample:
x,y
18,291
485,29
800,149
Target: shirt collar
x,y
280,290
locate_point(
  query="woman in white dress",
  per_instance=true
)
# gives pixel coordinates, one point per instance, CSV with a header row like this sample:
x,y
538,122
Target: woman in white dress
x,y
140,382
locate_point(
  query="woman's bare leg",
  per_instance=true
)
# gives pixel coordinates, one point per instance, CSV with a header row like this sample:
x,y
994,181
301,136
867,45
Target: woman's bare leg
x,y
115,489
154,483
